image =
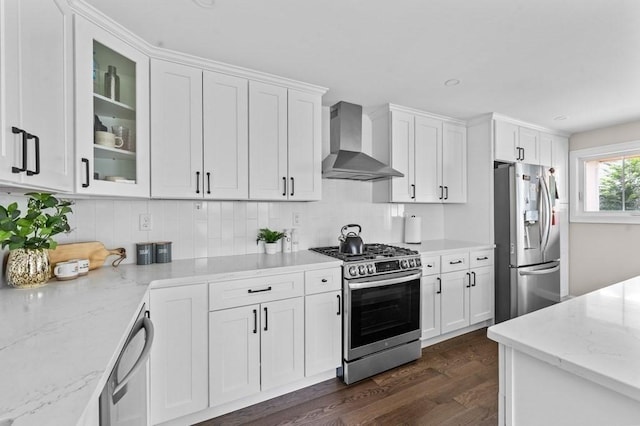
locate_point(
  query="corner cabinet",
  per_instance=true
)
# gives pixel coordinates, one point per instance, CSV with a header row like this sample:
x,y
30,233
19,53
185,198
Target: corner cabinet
x,y
431,152
199,125
116,104
284,143
36,107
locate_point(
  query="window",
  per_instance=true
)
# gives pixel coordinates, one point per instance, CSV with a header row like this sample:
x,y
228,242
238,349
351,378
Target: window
x,y
605,184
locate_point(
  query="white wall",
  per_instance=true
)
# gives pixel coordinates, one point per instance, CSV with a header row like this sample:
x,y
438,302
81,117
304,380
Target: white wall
x,y
602,254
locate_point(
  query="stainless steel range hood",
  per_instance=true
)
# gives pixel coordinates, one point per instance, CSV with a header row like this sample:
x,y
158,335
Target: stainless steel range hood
x,y
347,161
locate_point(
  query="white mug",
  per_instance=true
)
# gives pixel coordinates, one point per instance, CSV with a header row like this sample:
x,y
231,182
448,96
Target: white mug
x,y
108,139
66,270
83,266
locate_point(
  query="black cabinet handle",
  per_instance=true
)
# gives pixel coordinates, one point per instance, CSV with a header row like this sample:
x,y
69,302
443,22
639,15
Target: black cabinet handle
x,y
413,191
197,182
441,192
474,279
339,305
255,321
482,258
266,319
292,187
259,291
86,173
16,131
208,183
324,280
455,262
37,143
523,154
446,192
439,286
284,186
469,277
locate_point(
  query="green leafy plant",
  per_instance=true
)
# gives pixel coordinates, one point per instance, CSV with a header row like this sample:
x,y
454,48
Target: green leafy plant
x,y
269,236
46,216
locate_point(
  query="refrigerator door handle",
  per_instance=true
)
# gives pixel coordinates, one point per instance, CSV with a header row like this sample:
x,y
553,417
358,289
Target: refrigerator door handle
x,y
547,215
541,271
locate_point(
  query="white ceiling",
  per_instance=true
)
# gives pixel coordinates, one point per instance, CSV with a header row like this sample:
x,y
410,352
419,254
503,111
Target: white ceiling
x,y
533,60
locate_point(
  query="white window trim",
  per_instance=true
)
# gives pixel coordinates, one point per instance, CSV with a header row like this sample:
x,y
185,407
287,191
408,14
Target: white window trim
x,y
576,169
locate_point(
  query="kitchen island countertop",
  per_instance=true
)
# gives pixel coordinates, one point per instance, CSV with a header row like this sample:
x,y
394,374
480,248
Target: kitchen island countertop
x,y
595,336
59,342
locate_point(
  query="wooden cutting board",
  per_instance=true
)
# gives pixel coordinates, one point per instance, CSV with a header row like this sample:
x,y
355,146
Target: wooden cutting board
x,y
92,250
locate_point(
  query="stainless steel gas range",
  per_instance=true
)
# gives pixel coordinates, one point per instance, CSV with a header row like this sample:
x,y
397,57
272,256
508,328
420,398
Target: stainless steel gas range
x,y
381,298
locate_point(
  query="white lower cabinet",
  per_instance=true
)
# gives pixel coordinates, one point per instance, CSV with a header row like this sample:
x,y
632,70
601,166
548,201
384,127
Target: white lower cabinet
x,y
255,348
323,332
457,291
179,359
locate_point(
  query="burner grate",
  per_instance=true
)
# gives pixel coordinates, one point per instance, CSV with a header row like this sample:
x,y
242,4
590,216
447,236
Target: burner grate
x,y
370,252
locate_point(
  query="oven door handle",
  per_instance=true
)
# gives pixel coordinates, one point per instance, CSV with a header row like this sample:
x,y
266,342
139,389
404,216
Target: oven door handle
x,y
373,282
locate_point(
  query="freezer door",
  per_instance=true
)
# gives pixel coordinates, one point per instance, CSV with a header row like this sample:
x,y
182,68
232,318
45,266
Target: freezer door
x,y
528,215
551,236
537,286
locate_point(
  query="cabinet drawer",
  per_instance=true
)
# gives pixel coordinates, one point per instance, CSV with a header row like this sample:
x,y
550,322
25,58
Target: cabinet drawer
x,y
454,262
229,294
430,265
481,258
322,280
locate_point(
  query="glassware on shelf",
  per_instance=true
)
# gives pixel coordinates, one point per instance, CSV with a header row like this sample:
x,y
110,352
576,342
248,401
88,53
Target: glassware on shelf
x,y
96,75
112,84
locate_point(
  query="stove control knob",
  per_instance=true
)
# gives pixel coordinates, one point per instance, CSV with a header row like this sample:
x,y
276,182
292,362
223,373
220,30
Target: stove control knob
x,y
418,262
412,263
362,269
353,271
404,264
370,269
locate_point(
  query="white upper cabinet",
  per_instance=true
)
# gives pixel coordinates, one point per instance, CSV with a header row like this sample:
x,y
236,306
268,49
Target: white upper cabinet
x,y
529,143
284,143
112,99
176,130
560,163
36,143
515,143
430,151
199,130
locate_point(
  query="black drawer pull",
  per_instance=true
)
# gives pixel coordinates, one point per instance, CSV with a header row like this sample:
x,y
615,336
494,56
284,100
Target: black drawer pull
x,y
482,258
324,280
455,262
259,291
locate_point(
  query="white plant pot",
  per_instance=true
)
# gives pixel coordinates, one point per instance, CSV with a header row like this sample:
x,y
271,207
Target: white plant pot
x,y
271,248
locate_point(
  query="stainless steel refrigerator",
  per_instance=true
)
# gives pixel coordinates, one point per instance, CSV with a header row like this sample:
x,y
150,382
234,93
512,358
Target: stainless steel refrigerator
x,y
527,238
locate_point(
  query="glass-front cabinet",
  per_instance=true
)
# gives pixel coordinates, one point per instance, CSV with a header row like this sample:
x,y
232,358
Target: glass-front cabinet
x,y
112,114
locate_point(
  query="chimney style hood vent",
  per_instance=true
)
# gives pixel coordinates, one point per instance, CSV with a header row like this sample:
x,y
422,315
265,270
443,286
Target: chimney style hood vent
x,y
346,160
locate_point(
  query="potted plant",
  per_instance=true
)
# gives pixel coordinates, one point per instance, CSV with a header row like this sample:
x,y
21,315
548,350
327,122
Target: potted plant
x,y
29,236
270,239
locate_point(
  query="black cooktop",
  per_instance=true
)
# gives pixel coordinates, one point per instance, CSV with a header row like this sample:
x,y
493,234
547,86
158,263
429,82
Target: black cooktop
x,y
370,252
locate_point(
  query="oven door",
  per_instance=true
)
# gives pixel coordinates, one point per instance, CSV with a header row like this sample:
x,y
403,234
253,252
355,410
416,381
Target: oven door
x,y
381,312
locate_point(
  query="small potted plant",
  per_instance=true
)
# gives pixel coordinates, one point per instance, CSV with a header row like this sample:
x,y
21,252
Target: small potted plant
x,y
30,235
270,239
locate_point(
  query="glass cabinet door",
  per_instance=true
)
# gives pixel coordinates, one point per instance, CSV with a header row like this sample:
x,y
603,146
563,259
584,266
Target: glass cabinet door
x,y
112,107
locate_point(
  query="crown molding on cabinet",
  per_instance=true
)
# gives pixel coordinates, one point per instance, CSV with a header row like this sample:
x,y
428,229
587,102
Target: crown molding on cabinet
x,y
395,107
108,24
501,117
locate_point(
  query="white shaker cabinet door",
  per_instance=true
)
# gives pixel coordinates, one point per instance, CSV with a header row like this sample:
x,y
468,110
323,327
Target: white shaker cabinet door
x,y
226,136
481,294
323,332
37,94
304,146
428,144
454,163
403,156
282,328
176,130
431,290
506,142
454,303
529,142
268,176
179,361
234,353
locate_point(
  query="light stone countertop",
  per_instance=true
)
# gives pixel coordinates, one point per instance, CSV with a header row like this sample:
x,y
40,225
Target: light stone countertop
x,y
446,246
595,336
58,343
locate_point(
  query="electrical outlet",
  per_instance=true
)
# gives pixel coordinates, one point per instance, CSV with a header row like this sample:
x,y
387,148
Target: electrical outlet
x,y
296,219
146,222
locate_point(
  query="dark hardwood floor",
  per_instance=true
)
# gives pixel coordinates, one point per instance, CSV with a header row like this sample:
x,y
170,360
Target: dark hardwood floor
x,y
454,383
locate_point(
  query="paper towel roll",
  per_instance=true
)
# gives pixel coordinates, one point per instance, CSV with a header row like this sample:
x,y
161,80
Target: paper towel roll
x,y
413,230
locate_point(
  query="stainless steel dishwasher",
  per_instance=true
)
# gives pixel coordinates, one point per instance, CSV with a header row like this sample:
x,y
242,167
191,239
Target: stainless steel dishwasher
x,y
123,400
